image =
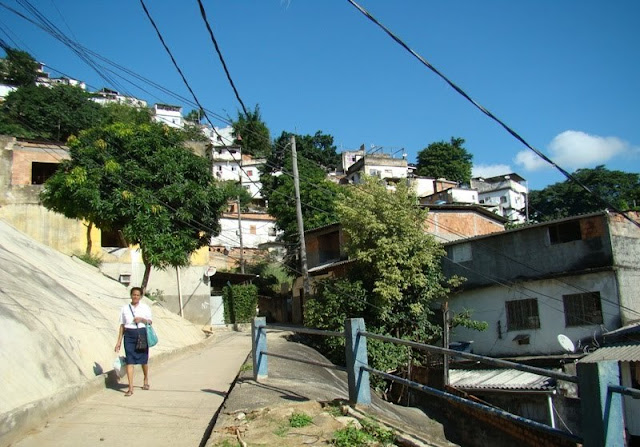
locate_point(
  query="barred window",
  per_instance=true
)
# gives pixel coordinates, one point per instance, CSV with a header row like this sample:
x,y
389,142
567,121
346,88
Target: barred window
x,y
522,314
582,309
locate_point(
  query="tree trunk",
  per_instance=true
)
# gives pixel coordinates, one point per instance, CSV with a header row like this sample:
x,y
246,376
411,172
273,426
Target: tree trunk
x,y
145,278
89,242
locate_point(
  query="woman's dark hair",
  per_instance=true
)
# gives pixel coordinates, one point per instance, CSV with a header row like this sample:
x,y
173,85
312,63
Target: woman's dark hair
x,y
139,289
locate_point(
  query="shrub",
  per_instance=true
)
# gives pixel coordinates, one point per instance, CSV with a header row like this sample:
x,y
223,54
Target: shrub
x,y
240,303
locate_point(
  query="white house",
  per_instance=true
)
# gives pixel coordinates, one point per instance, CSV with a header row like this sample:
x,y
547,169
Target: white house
x,y
508,193
250,176
576,276
168,114
107,96
226,162
379,165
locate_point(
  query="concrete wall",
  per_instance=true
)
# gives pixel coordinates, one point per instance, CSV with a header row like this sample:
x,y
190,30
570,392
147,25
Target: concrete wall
x,y
68,236
488,304
625,241
528,253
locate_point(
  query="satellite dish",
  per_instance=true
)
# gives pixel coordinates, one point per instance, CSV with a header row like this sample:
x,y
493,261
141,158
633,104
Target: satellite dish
x,y
210,272
566,343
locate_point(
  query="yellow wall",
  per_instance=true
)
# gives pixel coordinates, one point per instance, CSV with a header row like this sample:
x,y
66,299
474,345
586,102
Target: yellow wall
x,y
65,235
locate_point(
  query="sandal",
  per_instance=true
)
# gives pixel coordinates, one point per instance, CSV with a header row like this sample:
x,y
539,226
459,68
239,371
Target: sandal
x,y
128,393
146,387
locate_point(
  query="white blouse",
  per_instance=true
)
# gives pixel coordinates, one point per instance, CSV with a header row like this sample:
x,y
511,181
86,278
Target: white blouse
x,y
141,310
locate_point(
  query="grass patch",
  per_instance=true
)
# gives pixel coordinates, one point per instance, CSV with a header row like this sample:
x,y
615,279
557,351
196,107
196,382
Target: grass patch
x,y
281,431
93,260
370,433
227,443
246,367
297,420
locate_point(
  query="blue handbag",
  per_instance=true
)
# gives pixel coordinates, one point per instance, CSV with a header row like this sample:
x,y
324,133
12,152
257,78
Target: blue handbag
x,y
152,337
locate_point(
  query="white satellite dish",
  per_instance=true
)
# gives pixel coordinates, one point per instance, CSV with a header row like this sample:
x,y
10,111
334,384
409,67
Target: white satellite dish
x,y
210,272
566,343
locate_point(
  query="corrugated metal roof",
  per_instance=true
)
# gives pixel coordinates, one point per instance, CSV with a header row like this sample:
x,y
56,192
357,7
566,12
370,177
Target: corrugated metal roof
x,y
499,379
626,353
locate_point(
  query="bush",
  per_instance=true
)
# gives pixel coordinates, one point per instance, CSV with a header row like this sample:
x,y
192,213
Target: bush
x,y
240,303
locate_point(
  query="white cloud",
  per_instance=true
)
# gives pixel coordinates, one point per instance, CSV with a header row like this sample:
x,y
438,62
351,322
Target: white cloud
x,y
574,149
491,170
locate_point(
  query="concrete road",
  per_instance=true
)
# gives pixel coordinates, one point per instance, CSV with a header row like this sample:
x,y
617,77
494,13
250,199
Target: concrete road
x,y
186,392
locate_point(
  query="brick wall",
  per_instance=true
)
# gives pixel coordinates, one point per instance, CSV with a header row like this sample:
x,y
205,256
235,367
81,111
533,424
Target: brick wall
x,y
459,224
23,158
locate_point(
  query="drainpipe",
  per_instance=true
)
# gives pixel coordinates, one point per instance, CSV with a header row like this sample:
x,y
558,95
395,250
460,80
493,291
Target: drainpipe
x,y
179,291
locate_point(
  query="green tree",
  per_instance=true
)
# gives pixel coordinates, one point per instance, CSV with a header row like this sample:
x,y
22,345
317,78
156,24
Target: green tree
x,y
252,134
194,116
446,160
18,68
141,180
50,112
397,268
318,148
567,198
112,113
317,196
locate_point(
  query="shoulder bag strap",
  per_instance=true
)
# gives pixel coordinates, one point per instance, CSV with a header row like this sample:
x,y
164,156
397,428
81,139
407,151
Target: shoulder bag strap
x,y
134,315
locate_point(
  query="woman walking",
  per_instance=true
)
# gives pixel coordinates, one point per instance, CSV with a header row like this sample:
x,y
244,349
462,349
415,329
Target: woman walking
x,y
133,320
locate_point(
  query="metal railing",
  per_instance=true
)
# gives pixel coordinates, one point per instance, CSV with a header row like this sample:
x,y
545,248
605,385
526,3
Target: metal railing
x,y
598,383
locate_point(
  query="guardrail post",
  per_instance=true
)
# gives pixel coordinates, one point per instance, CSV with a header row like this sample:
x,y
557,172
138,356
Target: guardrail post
x,y
356,351
258,347
602,419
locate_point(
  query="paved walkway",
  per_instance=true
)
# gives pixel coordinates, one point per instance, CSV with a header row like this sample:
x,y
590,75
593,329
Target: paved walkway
x,y
186,392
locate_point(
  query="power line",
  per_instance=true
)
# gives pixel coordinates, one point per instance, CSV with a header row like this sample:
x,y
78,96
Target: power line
x,y
203,13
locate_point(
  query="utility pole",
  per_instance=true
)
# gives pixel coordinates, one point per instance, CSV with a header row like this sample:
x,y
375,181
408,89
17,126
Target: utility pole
x,y
240,236
303,249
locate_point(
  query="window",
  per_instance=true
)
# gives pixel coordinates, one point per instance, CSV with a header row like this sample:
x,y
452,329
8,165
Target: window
x,y
112,238
503,199
249,173
565,232
252,229
40,172
233,168
582,309
522,314
461,253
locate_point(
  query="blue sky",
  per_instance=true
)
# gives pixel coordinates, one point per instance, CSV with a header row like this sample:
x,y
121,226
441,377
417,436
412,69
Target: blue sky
x,y
564,74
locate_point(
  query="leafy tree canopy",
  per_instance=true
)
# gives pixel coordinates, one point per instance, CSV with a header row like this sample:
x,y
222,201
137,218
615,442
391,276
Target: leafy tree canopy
x,y
396,278
18,68
567,198
446,160
139,179
112,113
318,148
194,116
317,196
398,263
252,134
52,113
